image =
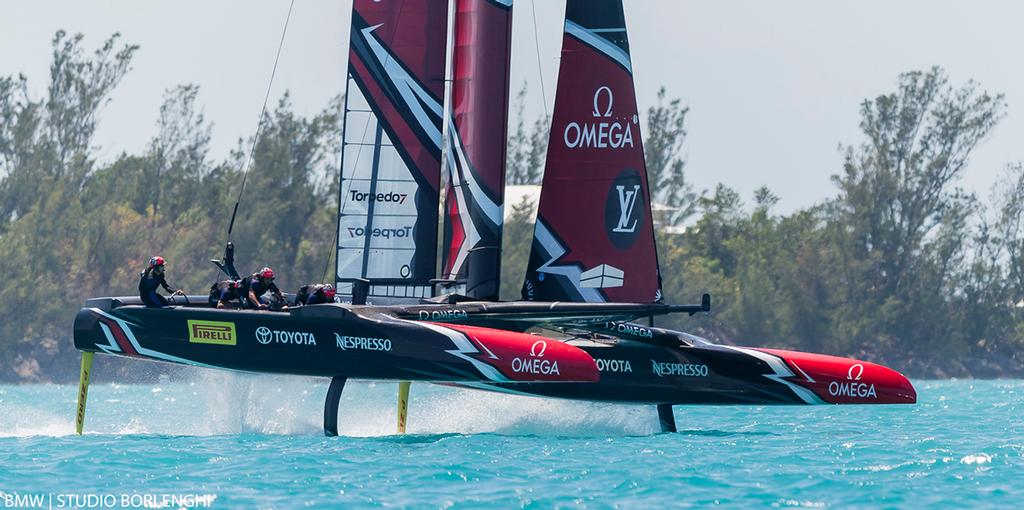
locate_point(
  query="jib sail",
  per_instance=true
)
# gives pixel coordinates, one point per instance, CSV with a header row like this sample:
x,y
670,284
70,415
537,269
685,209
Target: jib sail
x,y
474,196
391,158
594,239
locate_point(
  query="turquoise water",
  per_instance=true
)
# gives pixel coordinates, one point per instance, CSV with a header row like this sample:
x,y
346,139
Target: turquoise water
x,y
243,441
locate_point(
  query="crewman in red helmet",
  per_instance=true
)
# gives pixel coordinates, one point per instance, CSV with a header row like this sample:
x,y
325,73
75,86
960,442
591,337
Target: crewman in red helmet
x,y
315,294
255,286
151,280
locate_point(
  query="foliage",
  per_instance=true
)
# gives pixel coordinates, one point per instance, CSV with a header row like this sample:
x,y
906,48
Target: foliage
x,y
524,157
517,239
663,147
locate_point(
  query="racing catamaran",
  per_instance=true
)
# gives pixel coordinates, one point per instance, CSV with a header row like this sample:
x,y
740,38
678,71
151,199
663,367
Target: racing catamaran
x,y
593,269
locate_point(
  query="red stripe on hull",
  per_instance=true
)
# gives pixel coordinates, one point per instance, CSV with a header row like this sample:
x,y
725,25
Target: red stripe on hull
x,y
120,337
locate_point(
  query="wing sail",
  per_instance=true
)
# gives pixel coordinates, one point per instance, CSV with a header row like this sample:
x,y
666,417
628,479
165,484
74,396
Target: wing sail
x,y
474,196
391,159
594,238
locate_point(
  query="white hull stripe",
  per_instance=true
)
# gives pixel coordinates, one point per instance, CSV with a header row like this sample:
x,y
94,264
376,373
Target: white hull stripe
x,y
781,372
463,348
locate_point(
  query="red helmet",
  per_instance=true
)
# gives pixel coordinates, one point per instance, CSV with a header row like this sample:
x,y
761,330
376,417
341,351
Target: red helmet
x,y
267,273
156,261
329,291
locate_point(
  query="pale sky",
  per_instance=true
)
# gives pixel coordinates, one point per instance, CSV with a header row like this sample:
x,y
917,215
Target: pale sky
x,y
773,87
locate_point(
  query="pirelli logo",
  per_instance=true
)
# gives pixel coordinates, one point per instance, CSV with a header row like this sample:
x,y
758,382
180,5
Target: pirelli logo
x,y
211,332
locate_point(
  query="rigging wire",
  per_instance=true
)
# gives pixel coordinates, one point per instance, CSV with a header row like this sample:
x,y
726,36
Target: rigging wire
x,y
536,45
259,125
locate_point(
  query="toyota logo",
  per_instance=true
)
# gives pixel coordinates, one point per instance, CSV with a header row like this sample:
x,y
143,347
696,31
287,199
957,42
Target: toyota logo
x,y
263,335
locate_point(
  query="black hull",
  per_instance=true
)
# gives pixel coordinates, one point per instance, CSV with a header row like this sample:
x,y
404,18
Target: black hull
x,y
375,343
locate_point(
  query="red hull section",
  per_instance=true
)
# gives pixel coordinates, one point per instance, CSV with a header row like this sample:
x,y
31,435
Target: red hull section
x,y
532,358
838,380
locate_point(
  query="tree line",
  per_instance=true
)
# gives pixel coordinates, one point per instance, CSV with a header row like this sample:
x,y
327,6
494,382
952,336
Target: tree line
x,y
899,266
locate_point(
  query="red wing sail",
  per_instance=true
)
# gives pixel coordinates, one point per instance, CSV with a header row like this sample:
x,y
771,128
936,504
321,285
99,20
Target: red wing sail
x,y
476,146
594,239
391,160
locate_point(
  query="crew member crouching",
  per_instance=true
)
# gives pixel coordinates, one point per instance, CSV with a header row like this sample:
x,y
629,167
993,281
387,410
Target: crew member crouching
x,y
315,294
227,294
255,286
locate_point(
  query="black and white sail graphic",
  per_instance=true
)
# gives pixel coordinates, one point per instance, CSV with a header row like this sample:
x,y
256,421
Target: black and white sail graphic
x,y
391,161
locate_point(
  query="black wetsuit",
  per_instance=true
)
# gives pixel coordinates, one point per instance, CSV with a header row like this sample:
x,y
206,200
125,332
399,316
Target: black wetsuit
x,y
226,292
149,282
258,288
311,295
317,297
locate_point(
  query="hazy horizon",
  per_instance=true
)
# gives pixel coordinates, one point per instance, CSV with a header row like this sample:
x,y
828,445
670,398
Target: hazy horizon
x,y
773,88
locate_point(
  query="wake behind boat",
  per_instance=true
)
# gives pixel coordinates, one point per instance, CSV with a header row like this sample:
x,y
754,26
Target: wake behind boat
x,y
593,269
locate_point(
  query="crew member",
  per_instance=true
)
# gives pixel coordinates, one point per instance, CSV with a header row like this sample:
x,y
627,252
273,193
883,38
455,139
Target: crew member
x,y
151,280
257,285
315,294
227,294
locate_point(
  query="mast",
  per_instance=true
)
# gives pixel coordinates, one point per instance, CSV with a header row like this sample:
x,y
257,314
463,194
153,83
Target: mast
x,y
594,238
474,195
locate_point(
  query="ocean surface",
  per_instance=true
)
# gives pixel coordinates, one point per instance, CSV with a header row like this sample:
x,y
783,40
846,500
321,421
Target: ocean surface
x,y
227,440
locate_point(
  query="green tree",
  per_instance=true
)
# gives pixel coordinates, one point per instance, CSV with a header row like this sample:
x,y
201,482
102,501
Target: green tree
x,y
177,158
663,146
898,224
1009,201
285,187
526,148
517,241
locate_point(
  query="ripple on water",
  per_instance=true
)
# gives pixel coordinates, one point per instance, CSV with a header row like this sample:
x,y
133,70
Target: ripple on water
x,y
981,458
